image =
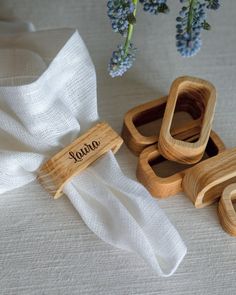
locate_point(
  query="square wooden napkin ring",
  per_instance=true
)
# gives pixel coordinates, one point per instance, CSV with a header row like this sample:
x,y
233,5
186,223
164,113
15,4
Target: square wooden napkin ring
x,y
201,93
204,183
163,187
152,111
226,209
76,157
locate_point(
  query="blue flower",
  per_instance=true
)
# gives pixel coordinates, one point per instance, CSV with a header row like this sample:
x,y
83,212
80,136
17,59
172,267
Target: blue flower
x,y
119,12
121,60
213,4
190,23
155,6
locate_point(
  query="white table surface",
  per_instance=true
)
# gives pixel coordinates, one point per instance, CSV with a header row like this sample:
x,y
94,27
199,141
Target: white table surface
x,y
45,248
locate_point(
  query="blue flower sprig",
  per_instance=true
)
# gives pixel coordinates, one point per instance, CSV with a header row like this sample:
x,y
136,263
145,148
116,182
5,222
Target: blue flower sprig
x,y
155,6
122,59
190,23
122,15
119,12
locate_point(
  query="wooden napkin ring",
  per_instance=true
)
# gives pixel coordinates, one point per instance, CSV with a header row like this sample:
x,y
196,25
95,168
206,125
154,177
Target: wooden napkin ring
x,y
76,157
205,182
201,93
152,111
163,187
226,210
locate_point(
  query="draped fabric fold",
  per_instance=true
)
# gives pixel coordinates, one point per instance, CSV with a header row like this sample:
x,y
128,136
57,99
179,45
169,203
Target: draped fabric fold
x,y
47,99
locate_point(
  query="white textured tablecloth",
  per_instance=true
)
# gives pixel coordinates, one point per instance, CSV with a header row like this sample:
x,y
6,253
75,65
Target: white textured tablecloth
x,y
45,248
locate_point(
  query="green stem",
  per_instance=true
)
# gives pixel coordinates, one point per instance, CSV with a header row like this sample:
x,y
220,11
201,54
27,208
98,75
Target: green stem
x,y
130,30
192,4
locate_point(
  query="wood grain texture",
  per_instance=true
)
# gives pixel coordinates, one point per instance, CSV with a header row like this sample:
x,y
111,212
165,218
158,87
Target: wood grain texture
x,y
200,93
76,157
226,211
152,111
205,182
163,187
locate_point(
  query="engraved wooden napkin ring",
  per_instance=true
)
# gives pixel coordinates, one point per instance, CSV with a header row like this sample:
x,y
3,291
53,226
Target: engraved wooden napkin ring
x,y
154,110
163,187
76,157
201,93
226,211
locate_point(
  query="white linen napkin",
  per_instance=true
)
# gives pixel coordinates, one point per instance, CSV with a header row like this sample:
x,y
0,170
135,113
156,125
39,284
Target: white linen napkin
x,y
47,99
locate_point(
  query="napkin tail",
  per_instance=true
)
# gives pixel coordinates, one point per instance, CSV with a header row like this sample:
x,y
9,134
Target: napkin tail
x,y
122,213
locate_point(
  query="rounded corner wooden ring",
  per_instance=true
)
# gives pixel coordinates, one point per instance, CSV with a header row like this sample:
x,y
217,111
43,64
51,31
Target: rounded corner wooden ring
x,y
163,187
203,94
152,111
73,159
205,182
226,211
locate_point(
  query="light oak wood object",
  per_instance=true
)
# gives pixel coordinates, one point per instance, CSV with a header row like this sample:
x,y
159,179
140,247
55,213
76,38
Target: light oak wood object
x,y
205,182
152,111
76,157
201,93
163,187
226,211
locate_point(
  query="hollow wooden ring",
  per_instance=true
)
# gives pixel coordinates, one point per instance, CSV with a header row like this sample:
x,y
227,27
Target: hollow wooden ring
x,y
203,93
149,112
226,211
164,187
204,183
73,159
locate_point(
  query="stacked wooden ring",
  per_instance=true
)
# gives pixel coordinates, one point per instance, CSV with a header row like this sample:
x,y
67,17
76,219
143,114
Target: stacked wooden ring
x,y
209,168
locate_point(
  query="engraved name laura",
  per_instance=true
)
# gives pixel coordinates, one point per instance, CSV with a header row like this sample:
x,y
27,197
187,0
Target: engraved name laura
x,y
79,155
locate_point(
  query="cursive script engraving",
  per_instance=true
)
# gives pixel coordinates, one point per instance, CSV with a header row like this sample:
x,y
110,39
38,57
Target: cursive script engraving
x,y
86,149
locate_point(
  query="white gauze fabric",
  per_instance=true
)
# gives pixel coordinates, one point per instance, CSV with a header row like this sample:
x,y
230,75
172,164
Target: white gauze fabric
x,y
47,99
